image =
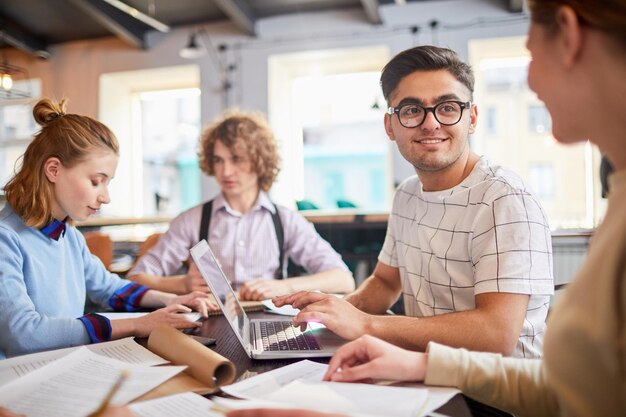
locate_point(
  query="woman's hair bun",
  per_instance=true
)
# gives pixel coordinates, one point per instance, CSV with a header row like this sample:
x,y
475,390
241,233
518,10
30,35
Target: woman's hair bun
x,y
46,111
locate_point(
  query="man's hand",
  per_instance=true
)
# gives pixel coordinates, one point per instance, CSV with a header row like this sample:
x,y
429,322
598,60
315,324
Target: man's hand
x,y
369,358
194,280
197,300
336,314
261,289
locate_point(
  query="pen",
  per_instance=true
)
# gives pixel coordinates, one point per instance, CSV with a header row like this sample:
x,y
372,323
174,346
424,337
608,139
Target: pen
x,y
107,399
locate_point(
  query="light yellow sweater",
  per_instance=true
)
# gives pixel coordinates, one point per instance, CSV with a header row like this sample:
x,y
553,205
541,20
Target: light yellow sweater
x,y
583,372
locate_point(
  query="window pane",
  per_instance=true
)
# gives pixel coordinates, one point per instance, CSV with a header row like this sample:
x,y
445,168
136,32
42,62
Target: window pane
x,y
170,128
346,151
515,131
17,127
539,119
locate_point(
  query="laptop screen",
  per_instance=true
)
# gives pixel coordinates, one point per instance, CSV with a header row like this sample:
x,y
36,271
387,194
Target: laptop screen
x,y
217,281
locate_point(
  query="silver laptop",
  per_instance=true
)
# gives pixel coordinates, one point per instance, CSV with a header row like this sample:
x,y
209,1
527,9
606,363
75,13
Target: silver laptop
x,y
274,338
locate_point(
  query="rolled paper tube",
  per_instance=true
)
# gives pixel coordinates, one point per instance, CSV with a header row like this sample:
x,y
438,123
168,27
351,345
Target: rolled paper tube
x,y
204,364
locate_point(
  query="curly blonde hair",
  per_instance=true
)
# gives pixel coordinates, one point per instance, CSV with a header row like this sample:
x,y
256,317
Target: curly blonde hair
x,y
247,133
69,137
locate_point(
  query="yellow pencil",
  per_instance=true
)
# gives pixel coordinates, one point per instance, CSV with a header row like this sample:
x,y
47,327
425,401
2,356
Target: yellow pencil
x,y
219,409
105,402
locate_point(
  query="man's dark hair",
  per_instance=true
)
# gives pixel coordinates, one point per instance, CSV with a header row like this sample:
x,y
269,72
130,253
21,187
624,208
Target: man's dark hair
x,y
424,58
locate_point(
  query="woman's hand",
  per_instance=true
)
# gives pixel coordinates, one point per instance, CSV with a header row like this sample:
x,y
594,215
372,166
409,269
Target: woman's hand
x,y
198,300
170,315
370,358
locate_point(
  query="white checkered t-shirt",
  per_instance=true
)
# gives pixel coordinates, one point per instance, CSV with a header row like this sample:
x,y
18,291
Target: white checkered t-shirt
x,y
487,234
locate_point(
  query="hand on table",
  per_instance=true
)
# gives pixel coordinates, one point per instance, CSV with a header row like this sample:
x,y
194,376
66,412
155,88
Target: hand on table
x,y
194,280
169,315
261,289
198,300
369,358
336,314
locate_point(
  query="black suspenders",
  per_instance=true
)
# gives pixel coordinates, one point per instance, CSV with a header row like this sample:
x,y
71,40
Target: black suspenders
x,y
205,221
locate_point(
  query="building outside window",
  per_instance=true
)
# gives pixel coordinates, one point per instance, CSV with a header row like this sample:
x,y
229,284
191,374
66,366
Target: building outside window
x,y
346,153
170,128
327,111
514,129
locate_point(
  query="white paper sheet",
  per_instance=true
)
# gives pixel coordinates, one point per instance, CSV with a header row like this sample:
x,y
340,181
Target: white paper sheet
x,y
74,385
355,399
437,396
257,387
300,385
125,350
285,310
185,405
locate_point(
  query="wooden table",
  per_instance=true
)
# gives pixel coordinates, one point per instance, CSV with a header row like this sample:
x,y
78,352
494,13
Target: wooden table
x,y
228,346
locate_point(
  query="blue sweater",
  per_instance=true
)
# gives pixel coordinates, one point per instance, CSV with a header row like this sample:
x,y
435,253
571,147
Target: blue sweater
x,y
43,287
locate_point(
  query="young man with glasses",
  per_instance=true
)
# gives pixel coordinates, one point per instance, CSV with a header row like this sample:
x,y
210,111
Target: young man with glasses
x,y
468,247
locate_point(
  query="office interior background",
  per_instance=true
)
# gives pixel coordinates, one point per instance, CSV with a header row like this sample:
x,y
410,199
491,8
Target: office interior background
x,y
312,66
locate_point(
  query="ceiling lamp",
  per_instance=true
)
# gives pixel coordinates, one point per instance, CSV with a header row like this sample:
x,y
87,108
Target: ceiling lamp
x,y
9,74
194,49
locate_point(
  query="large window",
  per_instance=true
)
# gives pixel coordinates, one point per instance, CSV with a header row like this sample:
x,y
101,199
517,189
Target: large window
x,y
169,123
327,111
17,127
514,129
155,114
345,152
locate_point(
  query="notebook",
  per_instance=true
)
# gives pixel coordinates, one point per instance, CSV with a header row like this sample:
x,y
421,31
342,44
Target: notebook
x,y
265,338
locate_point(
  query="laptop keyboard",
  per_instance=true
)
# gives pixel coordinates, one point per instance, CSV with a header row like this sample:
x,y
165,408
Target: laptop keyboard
x,y
281,335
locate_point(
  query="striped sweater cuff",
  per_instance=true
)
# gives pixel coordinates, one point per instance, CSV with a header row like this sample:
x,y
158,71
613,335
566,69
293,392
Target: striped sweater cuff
x,y
98,327
128,298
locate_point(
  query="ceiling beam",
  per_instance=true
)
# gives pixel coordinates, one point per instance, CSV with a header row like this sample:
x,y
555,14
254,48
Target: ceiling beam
x,y
239,13
148,20
120,23
21,39
371,11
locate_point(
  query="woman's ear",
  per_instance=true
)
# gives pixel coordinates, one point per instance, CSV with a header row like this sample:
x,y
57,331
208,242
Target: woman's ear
x,y
51,168
570,35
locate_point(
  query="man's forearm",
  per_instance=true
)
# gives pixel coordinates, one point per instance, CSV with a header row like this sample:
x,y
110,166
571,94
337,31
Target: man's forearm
x,y
472,329
173,284
332,281
374,296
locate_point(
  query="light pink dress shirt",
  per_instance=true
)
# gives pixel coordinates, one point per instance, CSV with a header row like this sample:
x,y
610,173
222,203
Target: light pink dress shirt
x,y
245,245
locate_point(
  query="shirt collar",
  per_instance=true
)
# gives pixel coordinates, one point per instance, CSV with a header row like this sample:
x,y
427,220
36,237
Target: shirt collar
x,y
263,201
55,229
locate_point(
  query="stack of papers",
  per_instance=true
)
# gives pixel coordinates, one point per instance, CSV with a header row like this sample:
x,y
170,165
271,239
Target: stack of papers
x,y
125,350
300,385
74,385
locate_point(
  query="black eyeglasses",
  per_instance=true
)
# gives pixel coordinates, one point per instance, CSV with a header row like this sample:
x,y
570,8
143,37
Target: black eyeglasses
x,y
447,113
